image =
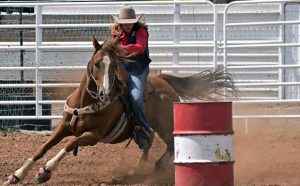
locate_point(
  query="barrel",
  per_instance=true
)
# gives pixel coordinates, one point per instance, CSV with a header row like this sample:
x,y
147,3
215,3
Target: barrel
x,y
203,153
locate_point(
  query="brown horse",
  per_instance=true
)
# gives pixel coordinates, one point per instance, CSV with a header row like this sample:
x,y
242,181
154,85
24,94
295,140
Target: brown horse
x,y
94,112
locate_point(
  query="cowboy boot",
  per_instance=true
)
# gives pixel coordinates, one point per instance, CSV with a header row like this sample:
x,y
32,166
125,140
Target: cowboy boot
x,y
144,138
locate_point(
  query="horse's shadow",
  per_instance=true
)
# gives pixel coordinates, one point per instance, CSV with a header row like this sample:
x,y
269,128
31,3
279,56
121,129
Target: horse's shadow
x,y
155,178
129,179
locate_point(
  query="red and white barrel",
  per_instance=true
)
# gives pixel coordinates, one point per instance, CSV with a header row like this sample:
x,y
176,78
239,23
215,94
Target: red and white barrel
x,y
203,144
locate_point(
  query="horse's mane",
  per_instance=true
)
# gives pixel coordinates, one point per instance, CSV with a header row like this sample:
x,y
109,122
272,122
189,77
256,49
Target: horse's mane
x,y
114,49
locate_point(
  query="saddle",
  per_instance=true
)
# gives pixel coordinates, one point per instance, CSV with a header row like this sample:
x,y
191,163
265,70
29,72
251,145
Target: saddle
x,y
129,119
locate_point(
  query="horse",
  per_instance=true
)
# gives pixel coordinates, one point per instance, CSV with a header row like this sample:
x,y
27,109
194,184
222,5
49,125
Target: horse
x,y
95,111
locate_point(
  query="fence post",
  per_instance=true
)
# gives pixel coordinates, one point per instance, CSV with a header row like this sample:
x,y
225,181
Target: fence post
x,y
203,144
176,34
38,43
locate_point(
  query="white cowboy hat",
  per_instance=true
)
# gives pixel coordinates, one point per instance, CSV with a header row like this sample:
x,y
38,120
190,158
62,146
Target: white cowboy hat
x,y
127,15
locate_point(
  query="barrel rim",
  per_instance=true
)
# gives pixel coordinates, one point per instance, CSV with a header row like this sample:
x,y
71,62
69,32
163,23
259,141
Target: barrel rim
x,y
202,102
203,132
203,162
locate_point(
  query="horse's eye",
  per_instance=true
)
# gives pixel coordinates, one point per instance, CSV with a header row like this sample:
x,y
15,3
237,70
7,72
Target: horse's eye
x,y
97,65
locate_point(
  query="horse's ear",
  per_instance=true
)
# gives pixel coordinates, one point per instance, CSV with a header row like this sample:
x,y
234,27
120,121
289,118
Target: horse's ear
x,y
96,45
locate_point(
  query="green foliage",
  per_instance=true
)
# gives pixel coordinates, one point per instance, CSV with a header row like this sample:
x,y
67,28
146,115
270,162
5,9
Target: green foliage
x,y
9,129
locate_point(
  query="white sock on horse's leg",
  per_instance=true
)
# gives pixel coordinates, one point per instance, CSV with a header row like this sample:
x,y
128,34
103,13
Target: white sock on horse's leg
x,y
22,172
53,163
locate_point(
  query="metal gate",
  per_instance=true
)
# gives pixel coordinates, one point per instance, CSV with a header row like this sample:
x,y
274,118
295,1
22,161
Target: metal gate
x,y
40,51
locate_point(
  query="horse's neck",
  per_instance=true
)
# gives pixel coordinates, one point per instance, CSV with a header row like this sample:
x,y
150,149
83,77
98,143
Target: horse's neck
x,y
121,76
84,98
75,99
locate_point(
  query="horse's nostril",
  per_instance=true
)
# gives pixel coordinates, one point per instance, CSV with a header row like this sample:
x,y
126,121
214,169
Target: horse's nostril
x,y
101,93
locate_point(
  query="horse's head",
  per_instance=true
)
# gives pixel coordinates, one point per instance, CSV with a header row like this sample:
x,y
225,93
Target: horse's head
x,y
102,69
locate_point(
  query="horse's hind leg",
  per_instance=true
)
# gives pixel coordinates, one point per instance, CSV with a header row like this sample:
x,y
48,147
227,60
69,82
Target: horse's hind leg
x,y
87,138
166,160
58,134
164,130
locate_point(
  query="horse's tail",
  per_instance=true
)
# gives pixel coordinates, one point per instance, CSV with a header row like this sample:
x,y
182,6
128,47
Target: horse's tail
x,y
206,85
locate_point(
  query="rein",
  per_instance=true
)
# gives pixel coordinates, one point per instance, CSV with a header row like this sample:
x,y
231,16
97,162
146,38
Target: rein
x,y
104,101
104,96
99,94
91,109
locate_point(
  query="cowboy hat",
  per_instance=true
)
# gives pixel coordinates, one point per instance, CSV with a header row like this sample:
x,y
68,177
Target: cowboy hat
x,y
127,15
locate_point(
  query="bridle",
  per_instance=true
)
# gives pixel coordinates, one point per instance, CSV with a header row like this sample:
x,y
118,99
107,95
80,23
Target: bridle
x,y
99,94
104,97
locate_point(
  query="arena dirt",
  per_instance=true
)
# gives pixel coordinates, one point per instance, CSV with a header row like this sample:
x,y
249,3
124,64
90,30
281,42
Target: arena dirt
x,y
267,153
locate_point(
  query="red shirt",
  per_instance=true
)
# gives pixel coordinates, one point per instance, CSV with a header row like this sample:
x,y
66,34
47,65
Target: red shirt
x,y
141,42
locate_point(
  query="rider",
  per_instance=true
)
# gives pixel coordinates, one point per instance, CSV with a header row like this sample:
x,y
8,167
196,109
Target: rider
x,y
132,36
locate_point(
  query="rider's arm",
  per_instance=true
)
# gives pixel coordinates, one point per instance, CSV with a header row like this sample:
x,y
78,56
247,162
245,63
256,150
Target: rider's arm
x,y
141,43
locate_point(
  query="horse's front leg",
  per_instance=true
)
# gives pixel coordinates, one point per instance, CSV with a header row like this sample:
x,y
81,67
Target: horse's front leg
x,y
58,134
87,138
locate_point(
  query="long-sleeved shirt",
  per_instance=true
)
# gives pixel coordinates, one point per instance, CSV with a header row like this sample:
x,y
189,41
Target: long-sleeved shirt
x,y
141,42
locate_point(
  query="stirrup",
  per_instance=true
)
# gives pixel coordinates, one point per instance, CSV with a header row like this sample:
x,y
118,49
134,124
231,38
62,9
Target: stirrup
x,y
151,138
149,134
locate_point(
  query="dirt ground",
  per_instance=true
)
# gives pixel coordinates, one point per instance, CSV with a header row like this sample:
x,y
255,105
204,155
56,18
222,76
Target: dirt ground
x,y
266,153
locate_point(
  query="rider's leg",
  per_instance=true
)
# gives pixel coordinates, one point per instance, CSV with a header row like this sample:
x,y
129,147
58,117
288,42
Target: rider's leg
x,y
136,84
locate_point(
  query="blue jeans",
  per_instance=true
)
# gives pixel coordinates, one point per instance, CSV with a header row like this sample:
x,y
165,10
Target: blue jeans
x,y
136,85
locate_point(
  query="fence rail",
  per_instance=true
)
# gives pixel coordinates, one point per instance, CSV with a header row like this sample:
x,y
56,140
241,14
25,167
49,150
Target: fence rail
x,y
257,41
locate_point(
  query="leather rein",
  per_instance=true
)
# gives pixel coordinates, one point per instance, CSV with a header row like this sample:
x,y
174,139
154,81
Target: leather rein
x,y
104,100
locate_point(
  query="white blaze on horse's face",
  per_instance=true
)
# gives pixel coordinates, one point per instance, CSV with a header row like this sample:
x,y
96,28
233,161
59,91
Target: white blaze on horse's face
x,y
106,62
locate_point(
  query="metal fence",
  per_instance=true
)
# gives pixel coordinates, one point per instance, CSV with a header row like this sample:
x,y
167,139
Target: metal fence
x,y
270,39
41,51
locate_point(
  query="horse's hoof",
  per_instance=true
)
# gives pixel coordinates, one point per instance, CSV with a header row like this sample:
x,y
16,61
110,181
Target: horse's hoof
x,y
12,179
42,175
